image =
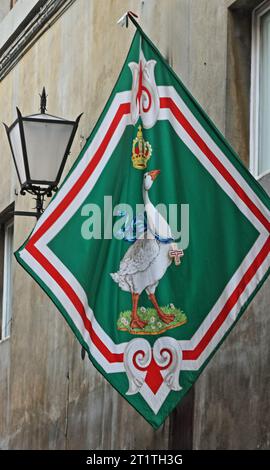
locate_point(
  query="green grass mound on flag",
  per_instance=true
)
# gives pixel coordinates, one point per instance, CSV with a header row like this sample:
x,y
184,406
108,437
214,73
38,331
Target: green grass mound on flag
x,y
155,325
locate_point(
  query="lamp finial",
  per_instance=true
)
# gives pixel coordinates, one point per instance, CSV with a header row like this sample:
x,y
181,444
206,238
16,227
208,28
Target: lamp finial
x,y
43,101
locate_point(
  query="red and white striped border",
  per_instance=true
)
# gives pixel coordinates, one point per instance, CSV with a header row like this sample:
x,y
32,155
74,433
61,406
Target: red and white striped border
x,y
77,187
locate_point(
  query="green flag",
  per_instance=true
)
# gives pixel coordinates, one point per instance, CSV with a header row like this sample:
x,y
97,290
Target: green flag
x,y
157,240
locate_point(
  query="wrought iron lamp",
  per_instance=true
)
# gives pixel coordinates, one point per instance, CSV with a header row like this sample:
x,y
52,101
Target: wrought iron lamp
x,y
40,144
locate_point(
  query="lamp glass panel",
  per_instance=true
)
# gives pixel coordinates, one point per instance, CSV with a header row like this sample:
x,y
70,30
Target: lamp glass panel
x,y
46,145
15,138
45,116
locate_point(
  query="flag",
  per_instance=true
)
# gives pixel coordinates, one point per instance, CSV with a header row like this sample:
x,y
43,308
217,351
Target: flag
x,y
156,241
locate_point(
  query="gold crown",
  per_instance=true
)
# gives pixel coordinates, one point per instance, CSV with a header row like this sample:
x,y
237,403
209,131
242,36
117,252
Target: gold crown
x,y
141,151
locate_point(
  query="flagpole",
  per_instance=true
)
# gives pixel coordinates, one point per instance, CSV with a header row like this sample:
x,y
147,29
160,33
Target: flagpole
x,y
132,17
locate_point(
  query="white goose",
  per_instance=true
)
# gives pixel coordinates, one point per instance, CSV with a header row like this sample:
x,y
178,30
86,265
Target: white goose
x,y
147,260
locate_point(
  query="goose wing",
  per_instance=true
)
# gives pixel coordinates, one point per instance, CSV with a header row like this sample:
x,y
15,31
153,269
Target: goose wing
x,y
139,256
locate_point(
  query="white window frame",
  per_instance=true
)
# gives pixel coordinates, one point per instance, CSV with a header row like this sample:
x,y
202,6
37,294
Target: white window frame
x,y
257,15
7,280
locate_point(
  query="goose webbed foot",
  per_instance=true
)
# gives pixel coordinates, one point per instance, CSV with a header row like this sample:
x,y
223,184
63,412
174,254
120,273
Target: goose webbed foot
x,y
137,323
166,318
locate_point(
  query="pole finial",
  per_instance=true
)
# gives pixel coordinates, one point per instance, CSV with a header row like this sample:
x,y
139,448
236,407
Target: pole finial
x,y
43,101
123,21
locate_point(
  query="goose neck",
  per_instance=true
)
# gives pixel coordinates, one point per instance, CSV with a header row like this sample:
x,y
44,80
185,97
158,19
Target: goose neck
x,y
146,199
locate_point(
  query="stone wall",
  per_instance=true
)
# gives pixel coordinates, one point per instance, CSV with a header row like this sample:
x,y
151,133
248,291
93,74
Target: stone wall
x,y
49,397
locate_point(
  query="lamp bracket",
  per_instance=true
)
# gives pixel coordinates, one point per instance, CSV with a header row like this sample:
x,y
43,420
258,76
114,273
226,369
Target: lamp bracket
x,y
40,193
25,213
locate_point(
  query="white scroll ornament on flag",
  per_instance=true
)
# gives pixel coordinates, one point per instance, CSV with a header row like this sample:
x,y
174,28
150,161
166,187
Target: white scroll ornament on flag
x,y
162,364
144,93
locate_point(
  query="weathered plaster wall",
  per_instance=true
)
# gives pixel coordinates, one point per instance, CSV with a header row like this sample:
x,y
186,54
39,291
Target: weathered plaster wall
x,y
4,393
49,397
4,8
232,397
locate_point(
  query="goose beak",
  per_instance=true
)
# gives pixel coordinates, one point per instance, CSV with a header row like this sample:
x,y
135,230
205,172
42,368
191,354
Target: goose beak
x,y
154,174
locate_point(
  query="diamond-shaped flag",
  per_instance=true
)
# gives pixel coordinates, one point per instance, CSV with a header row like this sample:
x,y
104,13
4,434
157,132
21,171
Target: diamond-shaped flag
x,y
157,240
